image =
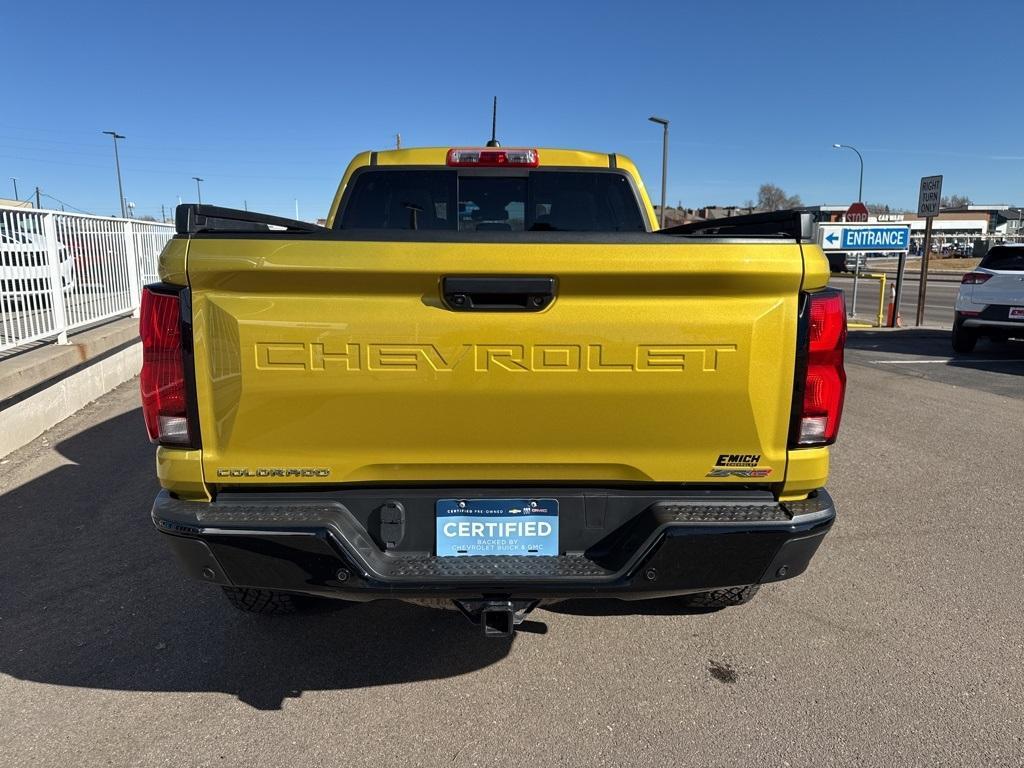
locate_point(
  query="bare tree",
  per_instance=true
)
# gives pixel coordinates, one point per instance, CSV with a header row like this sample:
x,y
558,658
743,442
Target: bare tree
x,y
955,201
773,198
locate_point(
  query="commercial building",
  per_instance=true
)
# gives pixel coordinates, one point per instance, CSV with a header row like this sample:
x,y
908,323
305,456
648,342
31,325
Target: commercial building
x,y
968,221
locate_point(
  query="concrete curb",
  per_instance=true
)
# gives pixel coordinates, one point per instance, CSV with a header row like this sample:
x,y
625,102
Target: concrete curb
x,y
41,387
25,421
34,367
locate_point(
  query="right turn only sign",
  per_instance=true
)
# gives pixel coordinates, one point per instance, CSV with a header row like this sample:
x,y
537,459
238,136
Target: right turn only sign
x,y
930,197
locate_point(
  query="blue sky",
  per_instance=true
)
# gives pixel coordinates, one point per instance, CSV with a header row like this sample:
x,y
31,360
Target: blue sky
x,y
268,101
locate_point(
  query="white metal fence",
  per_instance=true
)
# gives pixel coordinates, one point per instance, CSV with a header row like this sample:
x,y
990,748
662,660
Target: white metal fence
x,y
61,271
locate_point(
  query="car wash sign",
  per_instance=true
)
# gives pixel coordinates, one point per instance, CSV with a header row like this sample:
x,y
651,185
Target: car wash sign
x,y
880,238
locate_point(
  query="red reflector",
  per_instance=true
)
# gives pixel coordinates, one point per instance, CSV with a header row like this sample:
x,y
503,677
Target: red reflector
x,y
975,278
163,371
480,157
825,379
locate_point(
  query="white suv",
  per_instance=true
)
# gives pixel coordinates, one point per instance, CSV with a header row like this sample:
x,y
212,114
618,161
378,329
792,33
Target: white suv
x,y
991,299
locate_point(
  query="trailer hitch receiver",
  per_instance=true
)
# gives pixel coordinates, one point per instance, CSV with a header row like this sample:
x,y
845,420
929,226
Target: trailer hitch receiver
x,y
497,618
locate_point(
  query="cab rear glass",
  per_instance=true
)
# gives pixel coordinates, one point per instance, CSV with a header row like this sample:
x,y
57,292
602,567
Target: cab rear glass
x,y
1003,257
534,201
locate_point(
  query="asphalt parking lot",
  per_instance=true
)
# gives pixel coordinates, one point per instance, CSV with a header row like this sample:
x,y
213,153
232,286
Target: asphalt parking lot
x,y
925,353
900,646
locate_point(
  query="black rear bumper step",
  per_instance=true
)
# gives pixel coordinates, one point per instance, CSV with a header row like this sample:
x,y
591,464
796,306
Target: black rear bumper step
x,y
320,546
502,567
707,513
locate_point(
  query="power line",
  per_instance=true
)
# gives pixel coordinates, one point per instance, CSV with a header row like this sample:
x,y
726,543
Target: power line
x,y
232,142
69,205
133,169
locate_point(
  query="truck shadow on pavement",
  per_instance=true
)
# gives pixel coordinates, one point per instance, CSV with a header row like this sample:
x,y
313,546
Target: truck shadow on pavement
x,y
91,597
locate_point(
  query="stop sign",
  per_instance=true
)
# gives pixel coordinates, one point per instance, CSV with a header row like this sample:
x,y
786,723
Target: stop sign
x,y
857,212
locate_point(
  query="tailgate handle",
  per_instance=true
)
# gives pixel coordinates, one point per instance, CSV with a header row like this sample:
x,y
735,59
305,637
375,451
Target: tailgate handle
x,y
497,294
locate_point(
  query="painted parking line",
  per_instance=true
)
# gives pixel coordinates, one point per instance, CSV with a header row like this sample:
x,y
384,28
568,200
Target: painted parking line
x,y
941,360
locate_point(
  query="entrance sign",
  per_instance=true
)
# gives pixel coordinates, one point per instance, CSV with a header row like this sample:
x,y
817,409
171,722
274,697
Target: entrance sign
x,y
882,238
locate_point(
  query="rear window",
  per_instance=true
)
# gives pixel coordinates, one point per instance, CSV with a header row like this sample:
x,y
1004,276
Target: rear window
x,y
534,201
1004,257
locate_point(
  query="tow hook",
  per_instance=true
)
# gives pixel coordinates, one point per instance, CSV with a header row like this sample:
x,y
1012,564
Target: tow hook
x,y
497,618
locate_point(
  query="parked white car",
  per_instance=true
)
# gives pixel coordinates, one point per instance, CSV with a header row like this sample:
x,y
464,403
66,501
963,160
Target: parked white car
x,y
991,299
24,269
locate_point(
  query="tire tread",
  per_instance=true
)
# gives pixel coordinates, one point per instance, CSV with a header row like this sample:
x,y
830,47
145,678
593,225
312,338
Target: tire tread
x,y
721,598
264,602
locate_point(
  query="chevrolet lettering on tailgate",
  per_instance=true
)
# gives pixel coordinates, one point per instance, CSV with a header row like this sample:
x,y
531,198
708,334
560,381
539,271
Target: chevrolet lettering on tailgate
x,y
292,356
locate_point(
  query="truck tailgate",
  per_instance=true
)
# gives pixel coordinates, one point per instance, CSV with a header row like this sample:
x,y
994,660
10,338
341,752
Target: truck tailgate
x,y
665,359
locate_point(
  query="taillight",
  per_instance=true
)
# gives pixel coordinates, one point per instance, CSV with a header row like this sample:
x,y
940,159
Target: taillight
x,y
824,383
163,368
480,157
975,278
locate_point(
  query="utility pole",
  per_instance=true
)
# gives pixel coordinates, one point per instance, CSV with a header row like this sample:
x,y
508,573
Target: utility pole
x,y
117,163
199,192
296,209
15,188
664,164
245,204
163,213
398,141
38,204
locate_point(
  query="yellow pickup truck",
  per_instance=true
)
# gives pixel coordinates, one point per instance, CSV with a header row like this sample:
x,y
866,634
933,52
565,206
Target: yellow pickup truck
x,y
488,380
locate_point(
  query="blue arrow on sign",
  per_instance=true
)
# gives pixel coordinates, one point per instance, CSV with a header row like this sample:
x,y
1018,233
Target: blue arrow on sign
x,y
831,237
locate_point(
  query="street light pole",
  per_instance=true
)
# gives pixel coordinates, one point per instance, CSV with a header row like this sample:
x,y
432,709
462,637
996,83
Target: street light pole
x,y
15,188
199,192
664,164
117,162
860,187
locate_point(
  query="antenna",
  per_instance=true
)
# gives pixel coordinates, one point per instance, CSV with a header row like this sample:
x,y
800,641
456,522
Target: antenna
x,y
494,125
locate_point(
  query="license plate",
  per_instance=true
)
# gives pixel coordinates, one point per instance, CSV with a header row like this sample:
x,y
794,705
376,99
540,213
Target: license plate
x,y
497,527
1017,313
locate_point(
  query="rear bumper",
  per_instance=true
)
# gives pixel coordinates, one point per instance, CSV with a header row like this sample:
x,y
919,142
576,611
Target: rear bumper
x,y
675,544
994,317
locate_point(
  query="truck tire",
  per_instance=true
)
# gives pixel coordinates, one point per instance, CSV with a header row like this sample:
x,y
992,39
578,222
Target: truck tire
x,y
963,339
721,598
267,602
